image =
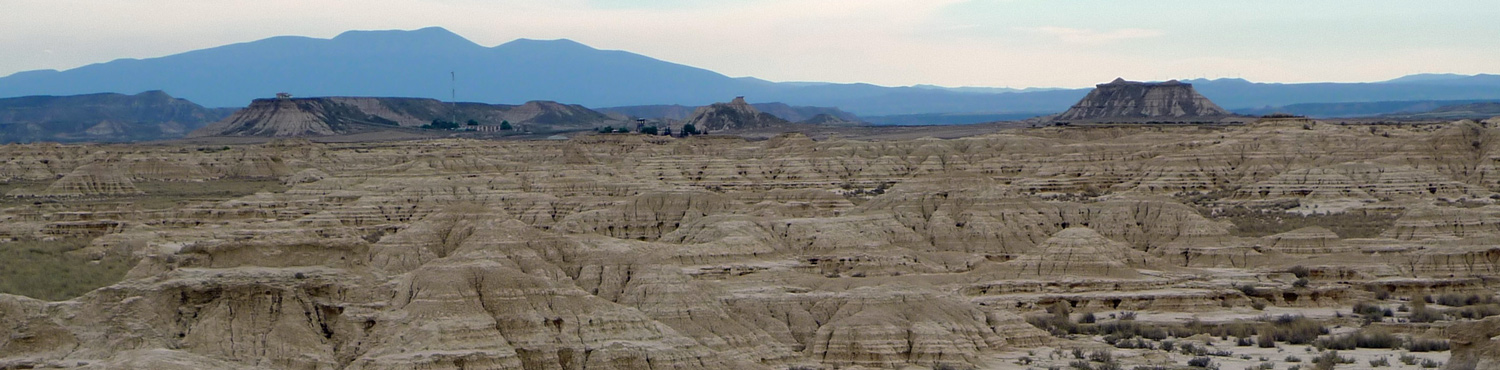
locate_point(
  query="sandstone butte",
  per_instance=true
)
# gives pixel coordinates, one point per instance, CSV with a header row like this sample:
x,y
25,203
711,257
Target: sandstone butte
x,y
1128,101
636,252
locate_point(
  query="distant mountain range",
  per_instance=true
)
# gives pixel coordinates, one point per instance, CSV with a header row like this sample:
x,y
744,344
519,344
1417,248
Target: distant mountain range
x,y
1476,111
1361,109
150,115
417,64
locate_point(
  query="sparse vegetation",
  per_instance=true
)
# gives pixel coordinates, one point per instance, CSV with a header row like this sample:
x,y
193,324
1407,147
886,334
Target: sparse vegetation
x,y
1203,362
46,270
1330,359
1427,345
1408,359
1258,222
1363,339
1295,329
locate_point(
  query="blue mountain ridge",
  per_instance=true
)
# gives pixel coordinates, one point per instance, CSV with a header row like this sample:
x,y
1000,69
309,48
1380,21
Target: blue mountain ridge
x,y
417,63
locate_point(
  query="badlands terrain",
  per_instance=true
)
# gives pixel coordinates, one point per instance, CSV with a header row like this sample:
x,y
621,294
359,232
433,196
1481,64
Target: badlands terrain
x,y
1279,244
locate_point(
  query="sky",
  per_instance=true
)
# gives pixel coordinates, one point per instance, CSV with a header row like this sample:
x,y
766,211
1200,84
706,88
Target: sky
x,y
996,43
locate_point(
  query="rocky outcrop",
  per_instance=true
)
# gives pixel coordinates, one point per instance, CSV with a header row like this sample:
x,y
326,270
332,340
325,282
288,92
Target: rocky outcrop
x,y
1127,101
734,115
1475,346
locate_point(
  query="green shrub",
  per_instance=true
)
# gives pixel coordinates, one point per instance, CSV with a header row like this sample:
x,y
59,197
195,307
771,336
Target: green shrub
x,y
1200,362
1427,345
1102,356
1330,359
1265,339
1408,359
1367,309
1460,300
1296,329
1475,312
1361,339
1424,314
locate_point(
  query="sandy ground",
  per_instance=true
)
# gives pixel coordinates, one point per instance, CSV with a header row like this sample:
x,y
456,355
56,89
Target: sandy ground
x,y
1243,357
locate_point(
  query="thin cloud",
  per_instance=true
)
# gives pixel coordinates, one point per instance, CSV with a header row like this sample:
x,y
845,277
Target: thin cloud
x,y
1090,36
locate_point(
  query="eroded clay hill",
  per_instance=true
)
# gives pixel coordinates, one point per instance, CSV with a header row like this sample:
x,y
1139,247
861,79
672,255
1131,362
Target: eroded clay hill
x,y
645,252
294,117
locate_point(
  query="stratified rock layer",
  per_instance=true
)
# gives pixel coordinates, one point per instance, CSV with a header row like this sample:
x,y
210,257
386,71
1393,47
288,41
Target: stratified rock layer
x,y
1127,101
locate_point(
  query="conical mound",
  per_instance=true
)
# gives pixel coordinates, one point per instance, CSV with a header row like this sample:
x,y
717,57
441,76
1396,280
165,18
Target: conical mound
x,y
1307,240
1078,251
92,179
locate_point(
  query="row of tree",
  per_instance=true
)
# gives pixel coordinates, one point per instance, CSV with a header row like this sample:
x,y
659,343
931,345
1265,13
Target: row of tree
x,y
687,130
439,124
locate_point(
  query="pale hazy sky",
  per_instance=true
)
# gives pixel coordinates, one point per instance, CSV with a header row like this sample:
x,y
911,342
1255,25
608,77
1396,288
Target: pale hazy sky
x,y
1014,43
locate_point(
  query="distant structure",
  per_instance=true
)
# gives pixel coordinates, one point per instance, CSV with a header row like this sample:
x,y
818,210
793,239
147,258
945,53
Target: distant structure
x,y
1124,101
283,96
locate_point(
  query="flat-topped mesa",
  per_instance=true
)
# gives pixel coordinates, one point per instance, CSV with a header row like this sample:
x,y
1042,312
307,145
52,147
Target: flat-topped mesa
x,y
1124,101
736,114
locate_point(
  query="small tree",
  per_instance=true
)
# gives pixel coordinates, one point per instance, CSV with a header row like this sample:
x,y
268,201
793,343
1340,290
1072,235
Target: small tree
x,y
666,131
607,129
473,123
689,129
505,125
439,124
649,130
